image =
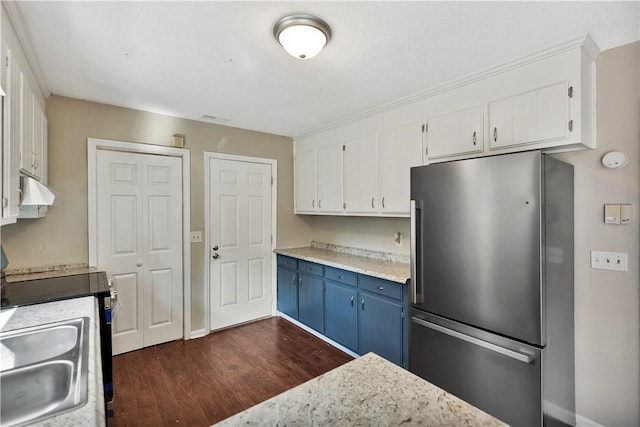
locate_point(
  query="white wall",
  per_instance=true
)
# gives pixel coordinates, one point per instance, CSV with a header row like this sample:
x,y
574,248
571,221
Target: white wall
x,y
607,311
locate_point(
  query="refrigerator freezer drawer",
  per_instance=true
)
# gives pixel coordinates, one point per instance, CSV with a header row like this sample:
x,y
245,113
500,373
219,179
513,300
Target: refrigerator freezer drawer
x,y
500,376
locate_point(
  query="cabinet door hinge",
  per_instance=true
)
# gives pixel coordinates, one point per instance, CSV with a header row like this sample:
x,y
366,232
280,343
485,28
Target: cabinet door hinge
x,y
570,92
570,125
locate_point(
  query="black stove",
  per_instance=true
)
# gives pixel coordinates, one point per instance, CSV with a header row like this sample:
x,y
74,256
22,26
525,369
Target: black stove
x,y
37,291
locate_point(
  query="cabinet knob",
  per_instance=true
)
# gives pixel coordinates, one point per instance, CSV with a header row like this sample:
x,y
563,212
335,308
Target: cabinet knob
x,y
215,255
340,276
139,263
381,288
215,248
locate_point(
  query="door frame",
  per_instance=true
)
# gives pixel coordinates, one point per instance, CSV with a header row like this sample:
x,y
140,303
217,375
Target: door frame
x,y
95,144
208,156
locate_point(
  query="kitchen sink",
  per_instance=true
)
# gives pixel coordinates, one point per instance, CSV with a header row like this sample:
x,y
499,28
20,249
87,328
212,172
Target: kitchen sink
x,y
43,371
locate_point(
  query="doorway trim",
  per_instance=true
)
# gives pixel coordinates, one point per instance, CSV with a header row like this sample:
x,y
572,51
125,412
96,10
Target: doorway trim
x,y
208,156
95,144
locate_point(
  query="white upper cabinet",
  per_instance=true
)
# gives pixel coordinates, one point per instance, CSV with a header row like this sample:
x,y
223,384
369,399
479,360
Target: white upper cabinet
x,y
451,134
400,149
535,116
11,138
329,185
360,175
305,182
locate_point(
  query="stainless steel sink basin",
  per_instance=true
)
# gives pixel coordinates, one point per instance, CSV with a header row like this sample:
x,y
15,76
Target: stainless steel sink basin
x,y
43,371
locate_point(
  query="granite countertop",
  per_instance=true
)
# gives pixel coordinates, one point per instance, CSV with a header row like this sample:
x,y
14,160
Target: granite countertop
x,y
367,391
92,413
31,273
382,265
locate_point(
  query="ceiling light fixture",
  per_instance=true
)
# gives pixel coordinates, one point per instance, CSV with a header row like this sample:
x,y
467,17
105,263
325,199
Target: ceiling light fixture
x,y
302,36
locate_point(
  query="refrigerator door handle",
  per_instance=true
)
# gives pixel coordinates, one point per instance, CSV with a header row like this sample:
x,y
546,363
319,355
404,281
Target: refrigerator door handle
x,y
522,357
413,253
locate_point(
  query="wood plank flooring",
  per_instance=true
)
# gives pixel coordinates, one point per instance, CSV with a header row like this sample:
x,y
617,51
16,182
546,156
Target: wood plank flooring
x,y
202,381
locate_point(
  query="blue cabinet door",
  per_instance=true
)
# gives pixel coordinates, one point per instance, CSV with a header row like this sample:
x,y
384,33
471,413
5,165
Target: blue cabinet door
x,y
380,327
311,301
341,314
287,292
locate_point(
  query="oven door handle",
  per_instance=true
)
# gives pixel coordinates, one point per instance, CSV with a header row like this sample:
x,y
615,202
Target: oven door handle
x,y
522,357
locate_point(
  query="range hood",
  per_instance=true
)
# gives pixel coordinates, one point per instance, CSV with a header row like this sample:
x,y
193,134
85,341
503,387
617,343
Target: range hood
x,y
35,192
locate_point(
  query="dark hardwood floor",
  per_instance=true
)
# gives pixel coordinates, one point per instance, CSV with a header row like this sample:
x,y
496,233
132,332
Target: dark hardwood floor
x,y
202,381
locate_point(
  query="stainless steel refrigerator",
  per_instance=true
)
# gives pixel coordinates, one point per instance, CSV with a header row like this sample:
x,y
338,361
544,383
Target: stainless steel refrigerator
x,y
492,284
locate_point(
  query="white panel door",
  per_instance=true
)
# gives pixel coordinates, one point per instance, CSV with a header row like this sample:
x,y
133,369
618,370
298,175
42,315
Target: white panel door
x,y
330,178
139,209
240,256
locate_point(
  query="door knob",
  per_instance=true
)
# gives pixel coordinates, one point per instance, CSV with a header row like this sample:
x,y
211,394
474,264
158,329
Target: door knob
x,y
215,255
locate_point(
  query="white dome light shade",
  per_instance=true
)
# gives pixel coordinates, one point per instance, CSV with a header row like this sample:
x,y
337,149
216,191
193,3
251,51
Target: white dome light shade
x,y
302,36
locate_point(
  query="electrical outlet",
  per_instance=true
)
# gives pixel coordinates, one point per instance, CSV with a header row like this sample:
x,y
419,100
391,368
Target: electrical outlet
x,y
196,236
616,261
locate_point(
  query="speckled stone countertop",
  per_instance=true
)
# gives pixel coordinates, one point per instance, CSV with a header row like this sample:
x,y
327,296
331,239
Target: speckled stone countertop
x,y
372,263
31,273
368,391
92,413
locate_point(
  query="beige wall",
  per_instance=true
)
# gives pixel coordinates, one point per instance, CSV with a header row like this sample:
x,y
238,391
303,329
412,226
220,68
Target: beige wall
x,y
607,303
61,237
607,310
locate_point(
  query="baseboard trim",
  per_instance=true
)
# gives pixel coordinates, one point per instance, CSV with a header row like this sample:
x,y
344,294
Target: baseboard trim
x,y
198,333
318,334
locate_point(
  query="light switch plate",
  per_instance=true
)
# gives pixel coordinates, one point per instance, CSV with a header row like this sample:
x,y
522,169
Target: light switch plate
x,y
616,261
196,236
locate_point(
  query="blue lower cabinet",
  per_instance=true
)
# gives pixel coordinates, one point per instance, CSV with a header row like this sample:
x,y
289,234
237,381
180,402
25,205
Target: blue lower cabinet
x,y
287,284
341,315
311,301
380,324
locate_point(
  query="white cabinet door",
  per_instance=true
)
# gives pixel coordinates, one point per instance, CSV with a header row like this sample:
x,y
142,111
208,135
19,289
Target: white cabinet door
x,y
11,140
360,175
305,182
461,132
400,149
532,117
330,179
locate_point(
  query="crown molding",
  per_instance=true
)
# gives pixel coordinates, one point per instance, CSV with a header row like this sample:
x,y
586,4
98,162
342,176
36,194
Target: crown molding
x,y
584,41
15,16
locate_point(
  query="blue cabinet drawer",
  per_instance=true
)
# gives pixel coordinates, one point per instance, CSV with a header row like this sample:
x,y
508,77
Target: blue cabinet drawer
x,y
341,276
310,268
380,287
287,262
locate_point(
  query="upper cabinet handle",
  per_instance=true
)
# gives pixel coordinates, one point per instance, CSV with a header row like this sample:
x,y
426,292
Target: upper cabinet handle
x,y
373,199
495,134
313,203
383,203
474,137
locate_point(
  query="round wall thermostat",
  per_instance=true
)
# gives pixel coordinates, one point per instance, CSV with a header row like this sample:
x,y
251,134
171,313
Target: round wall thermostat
x,y
615,159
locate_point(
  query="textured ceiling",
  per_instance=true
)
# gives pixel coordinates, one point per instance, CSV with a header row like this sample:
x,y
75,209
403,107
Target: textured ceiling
x,y
190,59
